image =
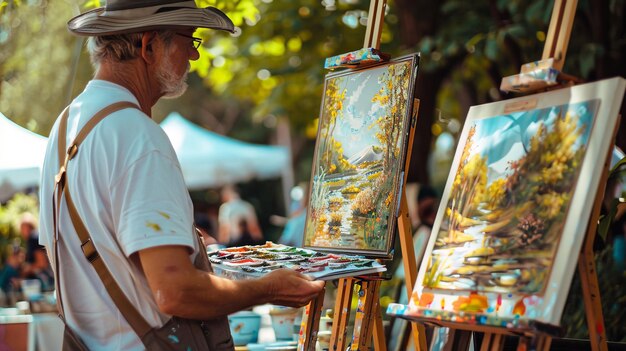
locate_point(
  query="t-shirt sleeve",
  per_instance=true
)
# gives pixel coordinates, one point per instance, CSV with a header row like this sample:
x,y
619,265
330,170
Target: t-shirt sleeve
x,y
223,213
153,204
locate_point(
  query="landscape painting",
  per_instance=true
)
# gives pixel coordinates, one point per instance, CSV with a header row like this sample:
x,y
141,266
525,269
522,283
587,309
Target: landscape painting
x,y
359,159
509,199
516,208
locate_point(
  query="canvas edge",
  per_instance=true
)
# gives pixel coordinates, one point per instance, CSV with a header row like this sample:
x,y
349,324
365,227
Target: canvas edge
x,y
601,142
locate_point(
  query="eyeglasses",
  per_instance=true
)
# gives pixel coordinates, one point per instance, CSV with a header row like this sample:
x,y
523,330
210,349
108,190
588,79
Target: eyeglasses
x,y
195,42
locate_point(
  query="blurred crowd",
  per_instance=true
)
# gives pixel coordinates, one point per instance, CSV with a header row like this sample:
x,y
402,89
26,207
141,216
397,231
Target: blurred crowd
x,y
25,261
235,221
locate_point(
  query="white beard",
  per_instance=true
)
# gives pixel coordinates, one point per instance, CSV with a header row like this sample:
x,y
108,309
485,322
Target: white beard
x,y
171,85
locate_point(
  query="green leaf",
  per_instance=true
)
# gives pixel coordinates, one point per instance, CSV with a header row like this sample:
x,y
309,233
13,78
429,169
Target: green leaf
x,y
616,167
587,61
426,45
535,12
605,221
92,4
491,48
516,31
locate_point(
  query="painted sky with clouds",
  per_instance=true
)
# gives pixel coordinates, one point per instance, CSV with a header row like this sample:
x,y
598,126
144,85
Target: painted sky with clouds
x,y
352,130
504,138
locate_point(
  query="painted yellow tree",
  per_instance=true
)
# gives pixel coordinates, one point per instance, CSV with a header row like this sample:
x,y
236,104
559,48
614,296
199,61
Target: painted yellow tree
x,y
494,194
330,151
543,179
393,97
468,187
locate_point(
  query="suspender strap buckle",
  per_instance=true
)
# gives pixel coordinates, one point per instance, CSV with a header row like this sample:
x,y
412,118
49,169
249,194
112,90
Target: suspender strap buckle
x,y
89,250
72,151
60,177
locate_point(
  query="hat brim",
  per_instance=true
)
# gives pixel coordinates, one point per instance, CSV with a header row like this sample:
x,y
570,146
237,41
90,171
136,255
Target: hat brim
x,y
92,23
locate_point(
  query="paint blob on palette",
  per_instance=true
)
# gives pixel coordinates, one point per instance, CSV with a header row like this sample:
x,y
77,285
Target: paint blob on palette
x,y
245,262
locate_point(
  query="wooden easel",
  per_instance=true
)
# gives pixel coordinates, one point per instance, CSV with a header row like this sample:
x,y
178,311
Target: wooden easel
x,y
536,76
368,320
542,74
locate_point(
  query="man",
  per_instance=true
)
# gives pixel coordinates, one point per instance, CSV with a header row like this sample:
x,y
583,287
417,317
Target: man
x,y
36,263
427,202
238,224
11,273
29,236
128,188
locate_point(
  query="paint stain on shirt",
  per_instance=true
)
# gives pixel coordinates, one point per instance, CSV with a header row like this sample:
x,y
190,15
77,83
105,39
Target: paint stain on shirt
x,y
153,226
165,215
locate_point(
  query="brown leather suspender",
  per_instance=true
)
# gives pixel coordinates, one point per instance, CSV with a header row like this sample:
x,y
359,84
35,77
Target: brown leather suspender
x,y
130,313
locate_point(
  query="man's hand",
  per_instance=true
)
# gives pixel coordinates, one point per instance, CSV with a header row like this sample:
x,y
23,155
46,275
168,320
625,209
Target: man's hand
x,y
290,288
180,289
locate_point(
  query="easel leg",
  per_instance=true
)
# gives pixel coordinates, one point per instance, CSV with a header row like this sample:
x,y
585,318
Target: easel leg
x,y
419,336
522,345
374,24
308,328
362,334
341,314
587,268
492,342
536,343
591,294
544,343
379,332
452,339
410,266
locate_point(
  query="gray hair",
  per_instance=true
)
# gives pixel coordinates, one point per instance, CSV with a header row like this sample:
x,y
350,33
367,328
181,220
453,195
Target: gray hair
x,y
120,47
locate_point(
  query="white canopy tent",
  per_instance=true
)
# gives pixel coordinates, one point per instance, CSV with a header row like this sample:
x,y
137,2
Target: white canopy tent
x,y
211,160
21,158
207,159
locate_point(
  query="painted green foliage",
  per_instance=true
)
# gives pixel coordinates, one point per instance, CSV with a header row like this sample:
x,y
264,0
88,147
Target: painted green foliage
x,y
509,200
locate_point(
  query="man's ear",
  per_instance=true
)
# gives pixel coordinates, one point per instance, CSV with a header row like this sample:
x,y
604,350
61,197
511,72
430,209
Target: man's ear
x,y
147,41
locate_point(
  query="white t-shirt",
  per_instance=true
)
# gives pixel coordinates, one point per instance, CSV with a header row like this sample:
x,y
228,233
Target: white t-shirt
x,y
128,187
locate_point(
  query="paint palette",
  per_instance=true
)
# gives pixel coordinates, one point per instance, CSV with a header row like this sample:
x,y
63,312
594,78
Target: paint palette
x,y
246,262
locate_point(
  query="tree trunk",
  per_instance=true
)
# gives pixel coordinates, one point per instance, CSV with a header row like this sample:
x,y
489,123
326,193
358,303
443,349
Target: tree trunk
x,y
609,64
428,84
416,20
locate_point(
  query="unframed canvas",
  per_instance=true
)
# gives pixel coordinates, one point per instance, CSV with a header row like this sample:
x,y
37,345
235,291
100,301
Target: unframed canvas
x,y
515,208
359,159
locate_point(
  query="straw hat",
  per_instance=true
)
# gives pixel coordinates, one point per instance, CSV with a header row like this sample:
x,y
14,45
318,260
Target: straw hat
x,y
131,16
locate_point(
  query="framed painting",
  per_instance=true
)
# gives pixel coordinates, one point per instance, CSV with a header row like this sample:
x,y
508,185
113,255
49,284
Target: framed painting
x,y
360,155
515,209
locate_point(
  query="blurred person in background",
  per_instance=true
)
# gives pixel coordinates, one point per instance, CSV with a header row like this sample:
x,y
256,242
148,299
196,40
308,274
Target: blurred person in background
x,y
293,233
11,272
30,236
36,263
128,189
238,224
427,204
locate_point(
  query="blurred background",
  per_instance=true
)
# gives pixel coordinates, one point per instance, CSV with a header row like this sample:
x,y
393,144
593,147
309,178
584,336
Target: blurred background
x,y
263,86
